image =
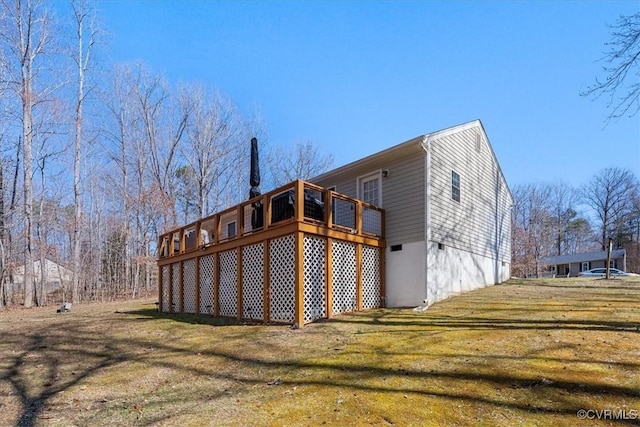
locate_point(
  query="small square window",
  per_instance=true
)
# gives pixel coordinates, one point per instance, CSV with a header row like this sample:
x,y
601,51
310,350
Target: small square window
x,y
455,186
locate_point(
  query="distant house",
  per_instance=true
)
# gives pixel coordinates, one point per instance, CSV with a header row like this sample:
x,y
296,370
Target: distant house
x,y
448,212
571,265
55,275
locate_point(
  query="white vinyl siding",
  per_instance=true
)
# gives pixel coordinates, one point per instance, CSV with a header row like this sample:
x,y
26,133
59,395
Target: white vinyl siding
x,y
480,222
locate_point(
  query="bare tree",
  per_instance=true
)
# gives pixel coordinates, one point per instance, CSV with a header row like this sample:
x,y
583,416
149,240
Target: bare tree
x,y
27,37
118,130
302,161
533,228
142,140
571,230
211,147
622,81
86,37
610,194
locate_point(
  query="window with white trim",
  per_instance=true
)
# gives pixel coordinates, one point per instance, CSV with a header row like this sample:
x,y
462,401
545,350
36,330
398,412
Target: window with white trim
x,y
455,186
369,189
584,266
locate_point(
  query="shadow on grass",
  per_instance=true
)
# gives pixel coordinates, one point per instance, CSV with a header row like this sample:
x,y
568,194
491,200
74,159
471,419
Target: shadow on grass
x,y
479,323
92,353
194,319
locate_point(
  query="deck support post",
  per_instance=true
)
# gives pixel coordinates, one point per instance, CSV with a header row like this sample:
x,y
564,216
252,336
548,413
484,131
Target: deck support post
x,y
160,293
381,260
299,274
359,277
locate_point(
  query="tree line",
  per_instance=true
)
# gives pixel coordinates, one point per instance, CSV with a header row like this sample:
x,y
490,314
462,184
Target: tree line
x,y
97,160
557,219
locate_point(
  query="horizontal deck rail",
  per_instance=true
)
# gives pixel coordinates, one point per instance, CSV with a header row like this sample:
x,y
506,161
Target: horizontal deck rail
x,y
317,207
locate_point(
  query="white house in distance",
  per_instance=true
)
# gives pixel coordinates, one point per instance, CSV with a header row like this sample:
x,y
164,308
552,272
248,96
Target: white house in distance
x,y
448,213
55,275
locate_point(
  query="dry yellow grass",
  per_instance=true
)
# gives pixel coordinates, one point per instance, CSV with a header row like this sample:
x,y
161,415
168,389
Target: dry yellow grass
x,y
529,352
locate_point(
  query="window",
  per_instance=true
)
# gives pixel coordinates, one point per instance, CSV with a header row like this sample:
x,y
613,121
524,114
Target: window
x,y
369,189
584,266
231,229
455,186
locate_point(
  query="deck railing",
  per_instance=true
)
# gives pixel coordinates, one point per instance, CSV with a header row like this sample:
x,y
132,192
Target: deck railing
x,y
298,201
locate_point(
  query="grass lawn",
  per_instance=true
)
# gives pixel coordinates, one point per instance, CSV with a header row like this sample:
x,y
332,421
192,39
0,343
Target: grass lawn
x,y
531,352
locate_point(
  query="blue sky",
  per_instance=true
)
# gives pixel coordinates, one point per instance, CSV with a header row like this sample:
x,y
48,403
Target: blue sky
x,y
358,77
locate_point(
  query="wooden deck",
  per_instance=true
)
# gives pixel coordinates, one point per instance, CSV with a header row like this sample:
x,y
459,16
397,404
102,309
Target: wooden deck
x,y
293,255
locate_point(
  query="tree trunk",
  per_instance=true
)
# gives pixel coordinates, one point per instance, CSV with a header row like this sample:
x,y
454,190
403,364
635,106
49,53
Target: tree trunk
x,y
28,190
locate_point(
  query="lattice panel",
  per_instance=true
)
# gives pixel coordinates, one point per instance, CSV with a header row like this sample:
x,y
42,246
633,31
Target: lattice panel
x,y
175,286
370,277
343,277
253,282
282,279
229,283
313,269
165,288
207,276
189,285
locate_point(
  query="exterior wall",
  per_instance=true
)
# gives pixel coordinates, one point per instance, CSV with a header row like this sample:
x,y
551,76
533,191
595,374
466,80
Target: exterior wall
x,y
480,222
405,275
452,271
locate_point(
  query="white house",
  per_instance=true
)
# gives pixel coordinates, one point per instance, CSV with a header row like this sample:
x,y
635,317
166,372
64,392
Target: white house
x,y
448,212
55,275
